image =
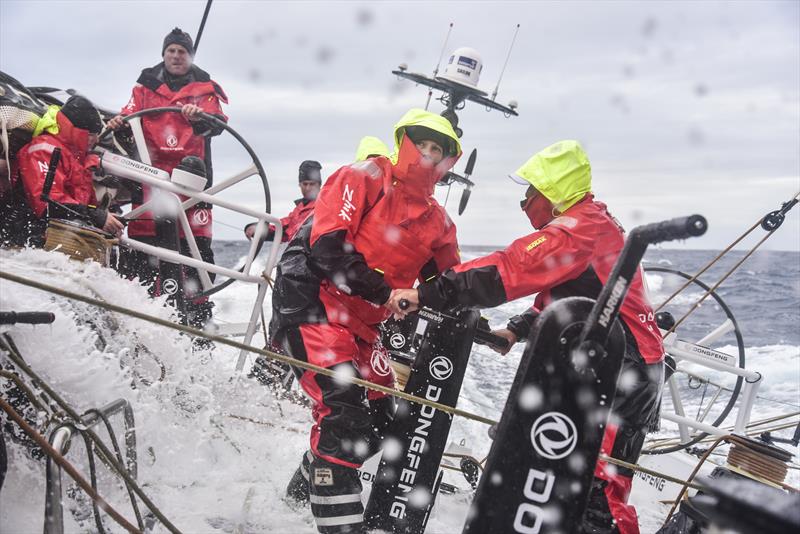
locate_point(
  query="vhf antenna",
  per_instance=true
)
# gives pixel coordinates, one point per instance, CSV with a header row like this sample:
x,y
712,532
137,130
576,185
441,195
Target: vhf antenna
x,y
436,70
510,48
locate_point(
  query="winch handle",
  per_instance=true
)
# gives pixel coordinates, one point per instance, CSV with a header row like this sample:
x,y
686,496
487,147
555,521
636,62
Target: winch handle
x,y
404,304
11,317
678,228
486,337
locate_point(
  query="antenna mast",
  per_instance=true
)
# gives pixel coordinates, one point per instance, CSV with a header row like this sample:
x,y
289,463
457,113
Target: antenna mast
x,y
510,48
202,25
436,70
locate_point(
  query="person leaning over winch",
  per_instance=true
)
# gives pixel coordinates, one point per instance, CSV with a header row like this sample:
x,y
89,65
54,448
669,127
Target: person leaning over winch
x,y
175,82
571,254
376,226
73,129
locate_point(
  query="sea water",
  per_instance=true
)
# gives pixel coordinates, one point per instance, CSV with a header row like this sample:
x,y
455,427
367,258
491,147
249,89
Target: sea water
x,y
216,450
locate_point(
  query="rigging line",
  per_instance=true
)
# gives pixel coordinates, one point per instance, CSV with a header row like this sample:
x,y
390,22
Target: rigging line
x,y
235,344
66,466
215,221
719,283
13,353
708,265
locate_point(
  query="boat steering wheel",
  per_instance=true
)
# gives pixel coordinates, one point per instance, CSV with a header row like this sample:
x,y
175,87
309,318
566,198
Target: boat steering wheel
x,y
255,168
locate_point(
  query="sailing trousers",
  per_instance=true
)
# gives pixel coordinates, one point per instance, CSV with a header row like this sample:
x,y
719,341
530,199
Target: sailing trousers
x,y
348,419
635,411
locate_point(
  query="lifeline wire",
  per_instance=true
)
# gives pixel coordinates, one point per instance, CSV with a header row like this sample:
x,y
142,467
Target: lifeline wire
x,y
241,346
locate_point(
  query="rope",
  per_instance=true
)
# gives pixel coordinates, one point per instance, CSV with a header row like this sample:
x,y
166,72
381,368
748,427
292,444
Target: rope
x,y
691,477
115,444
241,346
28,393
719,283
78,243
708,265
736,440
66,466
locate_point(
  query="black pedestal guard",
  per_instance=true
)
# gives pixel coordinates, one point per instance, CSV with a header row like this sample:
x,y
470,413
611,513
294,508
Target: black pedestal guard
x,y
406,482
540,467
170,275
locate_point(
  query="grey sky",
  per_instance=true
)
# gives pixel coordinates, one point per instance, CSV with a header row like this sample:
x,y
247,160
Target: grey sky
x,y
682,107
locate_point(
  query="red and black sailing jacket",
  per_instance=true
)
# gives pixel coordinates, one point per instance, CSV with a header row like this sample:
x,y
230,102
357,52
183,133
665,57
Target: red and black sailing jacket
x,y
170,136
373,229
72,184
571,256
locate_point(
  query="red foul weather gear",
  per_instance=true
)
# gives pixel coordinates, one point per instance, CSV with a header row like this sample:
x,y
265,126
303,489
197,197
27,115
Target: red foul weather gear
x,y
371,231
375,227
573,255
72,183
303,207
72,190
170,136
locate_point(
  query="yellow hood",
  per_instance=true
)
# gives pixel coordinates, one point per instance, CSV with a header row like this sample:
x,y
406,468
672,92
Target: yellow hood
x,y
371,146
561,172
48,122
420,117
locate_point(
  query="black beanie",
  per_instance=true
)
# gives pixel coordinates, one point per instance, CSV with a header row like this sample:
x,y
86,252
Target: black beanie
x,y
179,37
82,114
310,170
422,133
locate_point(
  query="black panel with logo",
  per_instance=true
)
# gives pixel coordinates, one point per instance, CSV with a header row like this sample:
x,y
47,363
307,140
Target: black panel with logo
x,y
170,275
406,482
541,464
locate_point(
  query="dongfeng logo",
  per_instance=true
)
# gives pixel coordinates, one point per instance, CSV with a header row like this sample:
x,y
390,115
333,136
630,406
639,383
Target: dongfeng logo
x,y
397,341
380,363
172,141
553,435
170,286
201,217
441,368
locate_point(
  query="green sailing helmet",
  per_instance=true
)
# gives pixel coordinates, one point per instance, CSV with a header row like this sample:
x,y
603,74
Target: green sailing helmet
x,y
561,172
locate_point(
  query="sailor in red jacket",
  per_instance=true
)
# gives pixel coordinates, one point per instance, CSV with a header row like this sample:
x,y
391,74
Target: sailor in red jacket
x,y
310,180
73,128
176,82
376,226
571,254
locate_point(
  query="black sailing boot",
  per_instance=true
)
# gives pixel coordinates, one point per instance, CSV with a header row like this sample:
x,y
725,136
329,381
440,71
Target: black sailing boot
x,y
335,495
297,492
